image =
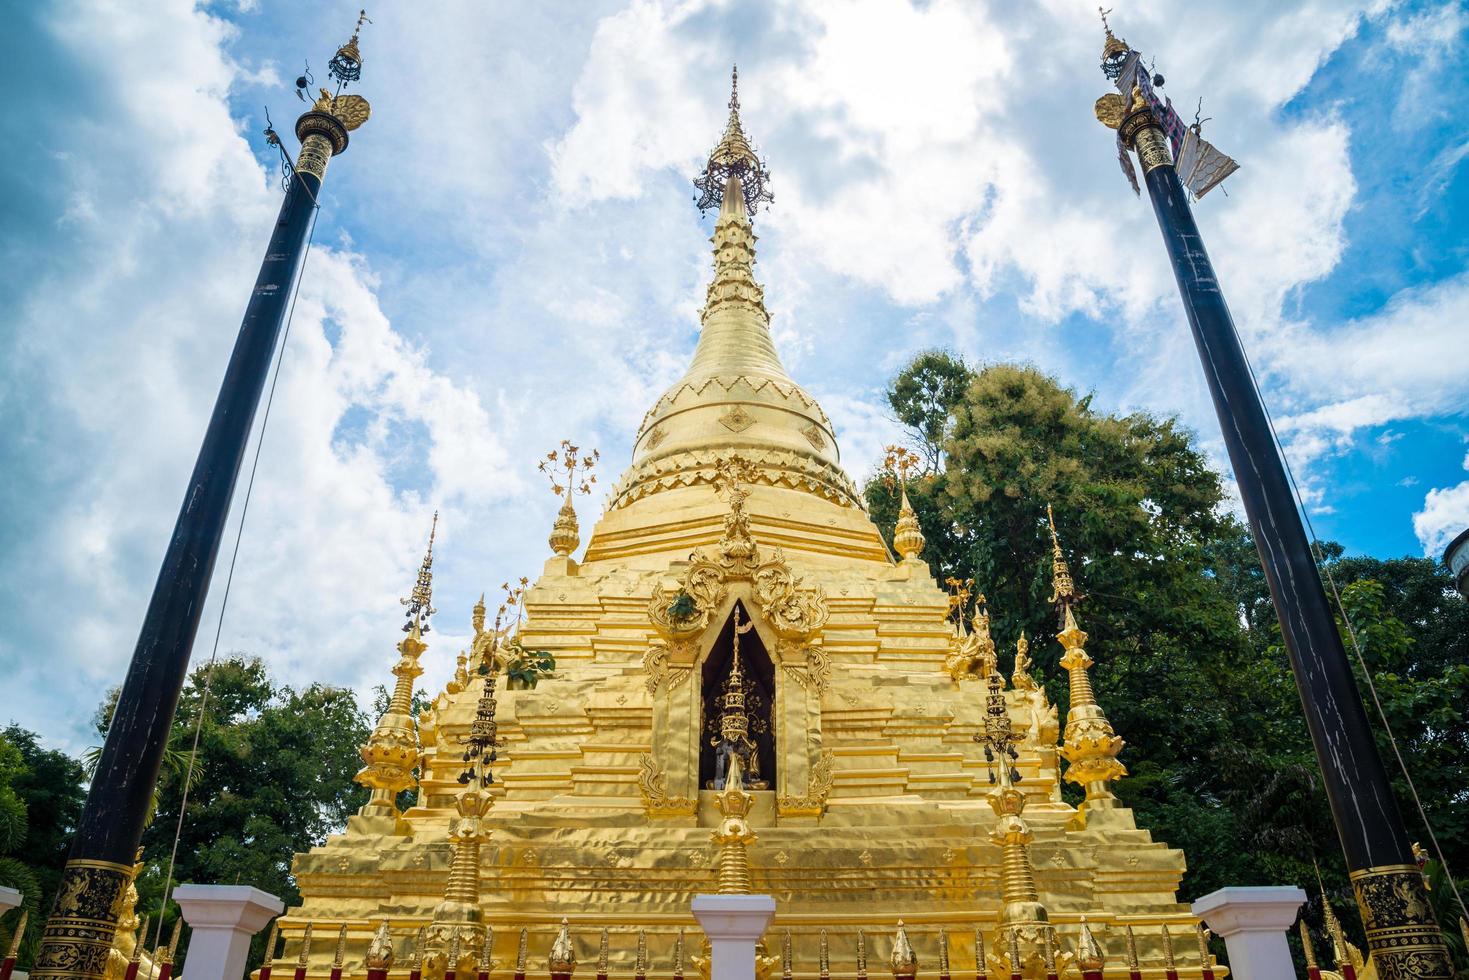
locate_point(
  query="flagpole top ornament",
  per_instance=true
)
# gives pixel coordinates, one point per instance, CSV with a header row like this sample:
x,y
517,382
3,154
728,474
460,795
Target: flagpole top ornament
x,y
1114,49
733,157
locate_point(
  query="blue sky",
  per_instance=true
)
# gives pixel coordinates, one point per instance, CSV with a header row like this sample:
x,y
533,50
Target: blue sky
x,y
508,255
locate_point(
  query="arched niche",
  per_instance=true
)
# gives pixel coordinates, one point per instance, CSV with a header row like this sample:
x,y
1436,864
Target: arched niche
x,y
760,683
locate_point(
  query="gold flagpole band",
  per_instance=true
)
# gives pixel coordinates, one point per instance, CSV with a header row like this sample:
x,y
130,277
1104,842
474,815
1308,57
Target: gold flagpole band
x,y
1402,933
79,933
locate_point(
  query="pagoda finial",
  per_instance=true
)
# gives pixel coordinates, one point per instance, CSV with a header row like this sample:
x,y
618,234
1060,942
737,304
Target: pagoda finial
x,y
733,835
907,535
568,462
1114,49
420,600
1089,744
733,159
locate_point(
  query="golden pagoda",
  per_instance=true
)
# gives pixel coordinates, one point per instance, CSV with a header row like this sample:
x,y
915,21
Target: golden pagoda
x,y
883,781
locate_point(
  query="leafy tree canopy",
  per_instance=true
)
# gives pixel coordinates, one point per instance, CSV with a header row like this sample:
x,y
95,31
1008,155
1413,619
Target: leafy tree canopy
x,y
1190,667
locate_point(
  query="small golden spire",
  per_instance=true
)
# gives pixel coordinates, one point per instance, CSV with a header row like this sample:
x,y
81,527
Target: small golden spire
x,y
487,949
1167,948
341,951
579,479
380,950
733,835
824,957
1089,954
641,963
907,535
1048,951
20,931
978,951
137,956
452,962
785,956
418,950
861,955
305,946
522,950
1464,930
602,954
1339,954
1089,744
904,960
1014,949
678,955
1203,933
166,954
563,954
1306,946
420,601
1131,950
943,952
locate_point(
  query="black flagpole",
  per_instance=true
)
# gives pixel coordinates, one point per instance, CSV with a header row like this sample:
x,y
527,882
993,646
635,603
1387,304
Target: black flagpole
x,y
1402,933
79,932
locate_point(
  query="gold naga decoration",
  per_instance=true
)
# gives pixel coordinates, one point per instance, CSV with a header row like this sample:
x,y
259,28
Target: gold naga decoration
x,y
392,750
1090,746
907,535
570,473
971,649
796,613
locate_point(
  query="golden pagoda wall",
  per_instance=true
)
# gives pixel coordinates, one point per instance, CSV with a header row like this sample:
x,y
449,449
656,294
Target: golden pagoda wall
x,y
598,816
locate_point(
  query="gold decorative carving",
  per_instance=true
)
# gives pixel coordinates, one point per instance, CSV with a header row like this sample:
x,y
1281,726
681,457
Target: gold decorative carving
x,y
78,936
813,804
737,419
656,437
813,435
316,152
655,797
1152,149
351,110
1402,934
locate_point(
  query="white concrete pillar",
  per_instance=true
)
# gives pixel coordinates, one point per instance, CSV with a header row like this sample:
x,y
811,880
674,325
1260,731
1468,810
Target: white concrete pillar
x,y
734,924
222,919
1253,923
9,899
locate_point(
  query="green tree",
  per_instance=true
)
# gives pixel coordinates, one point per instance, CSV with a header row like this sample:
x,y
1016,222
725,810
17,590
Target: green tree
x,y
41,794
273,776
923,395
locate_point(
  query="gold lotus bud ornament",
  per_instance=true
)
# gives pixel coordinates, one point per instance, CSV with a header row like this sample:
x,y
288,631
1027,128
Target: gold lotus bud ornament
x,y
380,950
562,960
904,960
907,535
569,464
1089,955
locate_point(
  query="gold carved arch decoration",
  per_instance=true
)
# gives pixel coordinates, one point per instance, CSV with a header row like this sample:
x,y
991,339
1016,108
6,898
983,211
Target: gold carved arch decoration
x,y
684,614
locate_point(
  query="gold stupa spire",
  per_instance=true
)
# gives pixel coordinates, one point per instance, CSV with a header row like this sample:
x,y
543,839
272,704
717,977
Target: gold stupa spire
x,y
1306,945
1089,744
733,835
736,394
1022,916
907,535
391,752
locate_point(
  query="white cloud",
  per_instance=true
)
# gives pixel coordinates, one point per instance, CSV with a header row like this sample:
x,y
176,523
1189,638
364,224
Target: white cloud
x,y
1445,515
